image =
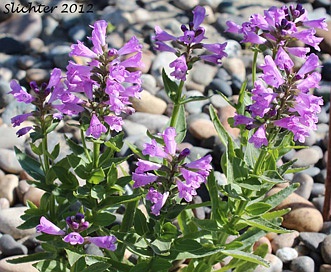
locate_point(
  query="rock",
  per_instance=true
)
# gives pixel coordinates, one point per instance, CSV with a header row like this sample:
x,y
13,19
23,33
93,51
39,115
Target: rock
x,y
202,129
10,219
149,103
235,66
284,240
60,55
153,122
8,184
318,189
34,195
303,215
23,267
286,254
10,45
312,240
217,100
8,137
21,189
162,61
37,75
147,59
303,264
325,268
306,184
186,4
306,157
203,78
224,114
194,107
326,70
318,203
9,162
326,249
220,85
24,27
325,45
275,263
9,247
4,203
261,241
131,128
233,49
149,83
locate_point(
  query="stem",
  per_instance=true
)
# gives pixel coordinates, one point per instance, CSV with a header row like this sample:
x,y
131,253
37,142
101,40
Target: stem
x,y
256,52
82,133
174,116
96,154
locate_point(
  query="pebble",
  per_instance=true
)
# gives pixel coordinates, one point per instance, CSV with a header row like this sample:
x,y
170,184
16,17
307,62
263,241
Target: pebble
x,y
225,113
186,4
144,103
37,75
203,78
9,162
284,240
8,184
276,264
149,83
261,241
194,107
306,184
220,85
303,264
202,129
303,215
23,267
10,219
8,137
34,195
235,66
286,254
9,247
10,45
318,189
153,122
325,268
306,157
312,240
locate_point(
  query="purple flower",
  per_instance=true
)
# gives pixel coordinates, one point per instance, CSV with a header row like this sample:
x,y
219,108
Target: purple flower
x,y
157,199
81,50
259,137
48,227
233,27
310,82
73,238
19,93
134,61
203,165
55,78
98,36
199,14
77,222
252,37
242,120
300,52
296,126
19,119
23,131
180,68
144,166
192,179
161,46
218,50
310,65
143,179
169,140
308,37
107,242
271,74
262,98
96,128
132,46
114,122
185,191
319,23
163,36
283,61
154,150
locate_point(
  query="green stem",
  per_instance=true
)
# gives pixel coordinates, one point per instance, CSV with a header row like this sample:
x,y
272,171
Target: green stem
x,y
256,52
174,116
96,154
127,222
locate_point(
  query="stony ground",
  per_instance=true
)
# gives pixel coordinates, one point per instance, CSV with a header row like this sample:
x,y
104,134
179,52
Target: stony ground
x,y
32,44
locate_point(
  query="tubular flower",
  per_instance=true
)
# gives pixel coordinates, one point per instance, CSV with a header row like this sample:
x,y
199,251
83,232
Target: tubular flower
x,y
48,227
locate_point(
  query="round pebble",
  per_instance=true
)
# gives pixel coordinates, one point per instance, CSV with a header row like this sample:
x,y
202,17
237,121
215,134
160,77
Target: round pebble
x,y
303,264
286,254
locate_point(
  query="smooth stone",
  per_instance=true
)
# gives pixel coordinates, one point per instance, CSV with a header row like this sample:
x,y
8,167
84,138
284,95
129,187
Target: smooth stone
x,y
153,122
131,128
10,45
325,268
198,212
10,219
261,241
202,129
25,26
318,189
203,78
21,189
9,162
4,203
37,75
306,184
286,254
303,264
233,49
217,100
9,247
311,171
312,240
8,185
194,107
235,66
306,157
162,61
23,267
224,114
149,103
186,4
149,83
8,137
284,240
325,45
276,265
34,195
5,87
303,215
60,55
326,249
220,85
77,33
318,203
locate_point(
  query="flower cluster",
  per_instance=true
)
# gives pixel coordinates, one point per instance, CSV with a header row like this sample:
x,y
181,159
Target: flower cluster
x,y
281,97
107,82
76,224
169,172
192,38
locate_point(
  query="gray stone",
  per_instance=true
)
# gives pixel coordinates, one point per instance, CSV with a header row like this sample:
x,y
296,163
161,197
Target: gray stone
x,y
203,78
10,219
149,83
162,60
8,185
276,265
306,184
312,240
22,267
8,137
195,106
9,162
318,189
318,203
9,247
286,254
60,55
303,264
132,128
77,33
326,249
306,157
220,85
11,45
186,4
233,49
5,99
153,122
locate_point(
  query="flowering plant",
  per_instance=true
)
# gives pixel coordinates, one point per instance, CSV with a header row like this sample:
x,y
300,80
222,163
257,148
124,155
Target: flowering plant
x,y
83,190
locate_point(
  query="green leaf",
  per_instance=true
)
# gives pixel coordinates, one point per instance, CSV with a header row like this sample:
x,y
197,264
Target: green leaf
x,y
96,267
112,175
32,258
266,225
246,256
55,153
75,148
169,231
68,179
103,218
31,166
225,98
170,87
258,208
97,176
116,200
276,214
181,126
52,265
140,223
161,247
207,224
38,150
275,199
193,98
